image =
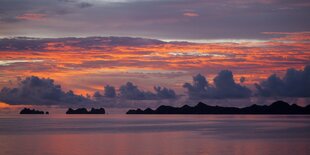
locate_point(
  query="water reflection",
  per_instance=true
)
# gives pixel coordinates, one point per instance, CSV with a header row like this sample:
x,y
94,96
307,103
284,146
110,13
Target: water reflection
x,y
172,134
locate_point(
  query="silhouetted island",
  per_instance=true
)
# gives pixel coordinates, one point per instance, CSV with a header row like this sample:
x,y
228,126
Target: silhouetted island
x,y
84,111
32,111
278,107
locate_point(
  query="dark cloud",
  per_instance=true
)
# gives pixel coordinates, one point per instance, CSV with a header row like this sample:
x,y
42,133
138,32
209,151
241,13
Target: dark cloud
x,y
242,79
295,83
39,44
40,91
132,92
164,93
67,1
84,5
97,94
109,91
224,87
199,87
21,43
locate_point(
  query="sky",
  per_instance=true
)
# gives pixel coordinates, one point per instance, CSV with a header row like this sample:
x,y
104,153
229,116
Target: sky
x,y
159,19
235,52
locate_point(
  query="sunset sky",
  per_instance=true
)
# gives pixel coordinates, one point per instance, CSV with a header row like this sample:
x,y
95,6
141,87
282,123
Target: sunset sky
x,y
84,45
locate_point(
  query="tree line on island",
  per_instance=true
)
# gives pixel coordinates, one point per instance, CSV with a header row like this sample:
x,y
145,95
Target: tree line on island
x,y
32,111
69,111
278,107
85,111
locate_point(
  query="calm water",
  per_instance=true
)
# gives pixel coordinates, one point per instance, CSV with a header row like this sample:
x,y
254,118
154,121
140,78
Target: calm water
x,y
154,134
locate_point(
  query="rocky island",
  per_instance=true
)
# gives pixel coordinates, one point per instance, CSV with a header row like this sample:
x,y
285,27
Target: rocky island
x,y
84,111
278,107
32,111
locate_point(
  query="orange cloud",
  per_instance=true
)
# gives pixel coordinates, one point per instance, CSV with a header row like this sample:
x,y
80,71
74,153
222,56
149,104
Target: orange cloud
x,y
4,105
290,36
190,14
31,16
92,66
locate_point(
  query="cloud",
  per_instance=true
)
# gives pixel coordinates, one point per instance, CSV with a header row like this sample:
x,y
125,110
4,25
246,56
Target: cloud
x,y
190,14
40,91
97,94
22,43
84,5
10,62
132,92
164,93
42,44
109,91
290,36
149,61
295,83
67,1
198,54
156,18
199,87
31,16
242,79
224,87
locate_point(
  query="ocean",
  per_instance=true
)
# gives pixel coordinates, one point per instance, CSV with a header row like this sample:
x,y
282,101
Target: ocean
x,y
114,134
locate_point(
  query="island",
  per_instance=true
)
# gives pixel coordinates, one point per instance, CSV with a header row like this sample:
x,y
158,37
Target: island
x,y
84,111
278,107
32,111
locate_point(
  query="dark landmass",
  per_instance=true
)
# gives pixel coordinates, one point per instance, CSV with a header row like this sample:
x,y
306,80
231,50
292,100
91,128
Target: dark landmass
x,y
278,107
84,111
32,111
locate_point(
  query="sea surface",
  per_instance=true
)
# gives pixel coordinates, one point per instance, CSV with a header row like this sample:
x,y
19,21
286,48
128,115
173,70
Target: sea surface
x,y
154,135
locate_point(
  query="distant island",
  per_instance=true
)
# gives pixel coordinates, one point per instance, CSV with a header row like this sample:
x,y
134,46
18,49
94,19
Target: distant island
x,y
32,111
84,111
278,107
